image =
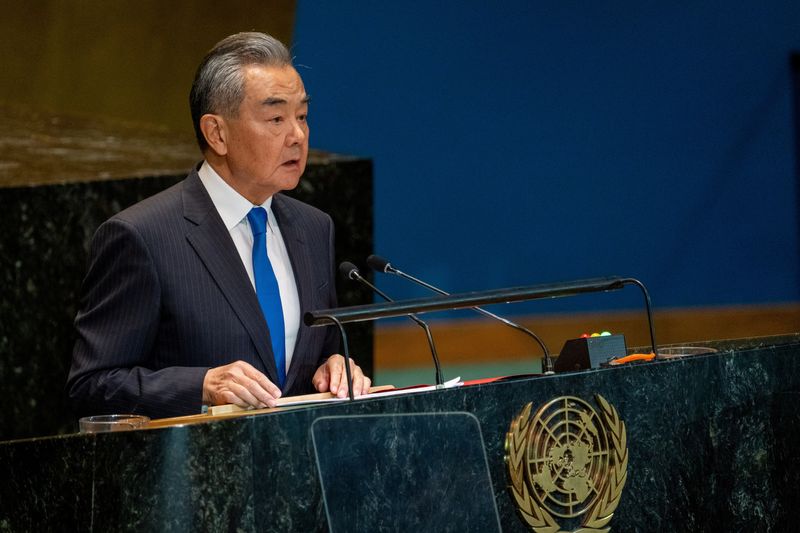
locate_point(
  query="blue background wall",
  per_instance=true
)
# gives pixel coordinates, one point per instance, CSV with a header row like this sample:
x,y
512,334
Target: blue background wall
x,y
542,141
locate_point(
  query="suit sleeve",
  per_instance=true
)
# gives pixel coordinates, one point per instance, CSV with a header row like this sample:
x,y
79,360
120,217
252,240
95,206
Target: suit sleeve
x,y
112,363
333,342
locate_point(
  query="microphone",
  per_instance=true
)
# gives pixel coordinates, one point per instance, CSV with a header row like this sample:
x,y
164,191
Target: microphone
x,y
378,263
350,271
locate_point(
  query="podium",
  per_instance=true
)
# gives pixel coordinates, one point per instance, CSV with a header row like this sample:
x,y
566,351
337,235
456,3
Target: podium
x,y
711,445
404,472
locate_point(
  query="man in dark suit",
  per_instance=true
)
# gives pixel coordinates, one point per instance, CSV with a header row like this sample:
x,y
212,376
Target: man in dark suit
x,y
195,296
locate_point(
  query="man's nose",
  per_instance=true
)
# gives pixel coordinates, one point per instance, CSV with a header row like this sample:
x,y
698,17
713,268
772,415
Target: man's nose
x,y
297,134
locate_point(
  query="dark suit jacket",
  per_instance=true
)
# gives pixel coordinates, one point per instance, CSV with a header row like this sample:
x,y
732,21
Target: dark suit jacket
x,y
166,298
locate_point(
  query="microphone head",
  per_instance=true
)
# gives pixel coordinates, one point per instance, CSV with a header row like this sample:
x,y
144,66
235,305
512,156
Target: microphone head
x,y
378,263
348,270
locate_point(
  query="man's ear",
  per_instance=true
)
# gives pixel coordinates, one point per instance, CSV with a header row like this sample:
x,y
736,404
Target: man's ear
x,y
213,128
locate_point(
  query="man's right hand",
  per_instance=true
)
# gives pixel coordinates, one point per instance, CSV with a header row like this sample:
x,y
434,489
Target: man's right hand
x,y
239,383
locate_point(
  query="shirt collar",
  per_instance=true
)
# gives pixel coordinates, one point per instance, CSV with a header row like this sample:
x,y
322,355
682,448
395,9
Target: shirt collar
x,y
232,206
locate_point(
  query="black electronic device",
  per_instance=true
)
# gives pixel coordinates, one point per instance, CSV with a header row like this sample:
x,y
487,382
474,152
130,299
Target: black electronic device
x,y
589,352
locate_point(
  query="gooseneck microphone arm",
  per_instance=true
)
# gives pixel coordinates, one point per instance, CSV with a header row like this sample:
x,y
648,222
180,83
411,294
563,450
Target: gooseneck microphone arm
x,y
380,264
348,374
350,271
648,307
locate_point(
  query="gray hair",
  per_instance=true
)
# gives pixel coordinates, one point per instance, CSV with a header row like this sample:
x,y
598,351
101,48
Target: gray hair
x,y
218,85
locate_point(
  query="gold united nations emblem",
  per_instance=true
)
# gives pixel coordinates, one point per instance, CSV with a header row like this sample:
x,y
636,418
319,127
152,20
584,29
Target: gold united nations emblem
x,y
568,462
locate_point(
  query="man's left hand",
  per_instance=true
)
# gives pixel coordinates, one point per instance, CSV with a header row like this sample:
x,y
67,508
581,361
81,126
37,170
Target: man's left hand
x,y
331,376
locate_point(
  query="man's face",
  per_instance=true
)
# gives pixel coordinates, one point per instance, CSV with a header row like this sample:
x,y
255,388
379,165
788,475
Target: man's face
x,y
267,144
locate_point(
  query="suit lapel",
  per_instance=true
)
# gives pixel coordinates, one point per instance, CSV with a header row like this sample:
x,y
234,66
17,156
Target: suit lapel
x,y
213,244
291,231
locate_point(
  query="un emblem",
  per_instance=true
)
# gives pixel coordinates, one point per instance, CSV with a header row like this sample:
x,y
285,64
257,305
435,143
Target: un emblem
x,y
568,462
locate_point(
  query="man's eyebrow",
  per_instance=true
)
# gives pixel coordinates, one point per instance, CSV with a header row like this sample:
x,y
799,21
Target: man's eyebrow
x,y
274,100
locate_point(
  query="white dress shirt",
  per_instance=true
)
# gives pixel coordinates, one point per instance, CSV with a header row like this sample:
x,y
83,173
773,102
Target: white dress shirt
x,y
233,209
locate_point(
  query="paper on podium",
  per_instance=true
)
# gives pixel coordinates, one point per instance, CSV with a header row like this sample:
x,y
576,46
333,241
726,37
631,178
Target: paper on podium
x,y
455,382
327,397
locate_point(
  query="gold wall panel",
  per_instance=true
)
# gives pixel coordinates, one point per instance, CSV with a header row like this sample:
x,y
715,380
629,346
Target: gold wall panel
x,y
121,59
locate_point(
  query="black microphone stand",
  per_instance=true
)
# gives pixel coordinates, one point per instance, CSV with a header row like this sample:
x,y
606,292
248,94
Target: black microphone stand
x,y
350,271
347,371
382,265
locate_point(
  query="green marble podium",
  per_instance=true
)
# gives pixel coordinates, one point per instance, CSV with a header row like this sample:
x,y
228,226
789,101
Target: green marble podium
x,y
713,441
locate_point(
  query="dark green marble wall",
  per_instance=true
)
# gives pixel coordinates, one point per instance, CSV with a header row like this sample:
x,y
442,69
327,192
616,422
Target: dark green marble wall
x,y
713,446
45,230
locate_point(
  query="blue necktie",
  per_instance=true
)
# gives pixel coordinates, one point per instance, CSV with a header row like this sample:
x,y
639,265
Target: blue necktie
x,y
269,297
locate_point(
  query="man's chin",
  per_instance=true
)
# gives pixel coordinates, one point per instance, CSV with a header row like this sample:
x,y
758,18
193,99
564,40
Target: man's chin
x,y
291,180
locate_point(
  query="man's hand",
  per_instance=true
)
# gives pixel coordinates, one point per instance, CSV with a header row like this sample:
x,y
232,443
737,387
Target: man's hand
x,y
239,383
331,376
